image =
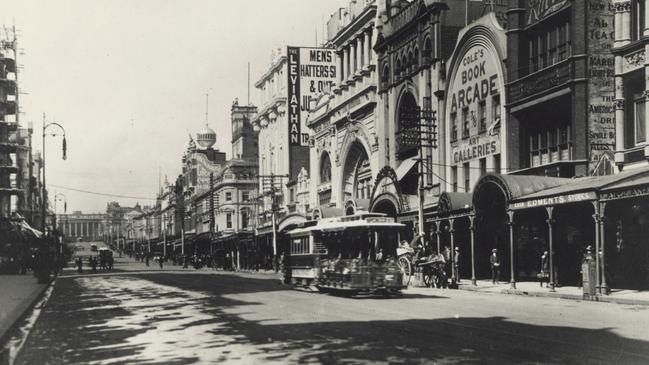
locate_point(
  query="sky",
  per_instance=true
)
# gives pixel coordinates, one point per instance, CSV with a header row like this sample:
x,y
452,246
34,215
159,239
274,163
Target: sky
x,y
128,79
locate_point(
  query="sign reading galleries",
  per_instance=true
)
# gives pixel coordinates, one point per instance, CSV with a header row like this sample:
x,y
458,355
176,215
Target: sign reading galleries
x,y
311,72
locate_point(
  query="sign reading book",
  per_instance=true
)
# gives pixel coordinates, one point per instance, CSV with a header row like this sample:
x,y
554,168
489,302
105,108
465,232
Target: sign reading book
x,y
311,72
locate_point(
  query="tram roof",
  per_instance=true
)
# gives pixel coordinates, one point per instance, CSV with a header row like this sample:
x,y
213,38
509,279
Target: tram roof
x,y
337,225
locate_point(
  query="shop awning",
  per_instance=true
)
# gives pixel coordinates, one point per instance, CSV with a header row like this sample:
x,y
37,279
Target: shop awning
x,y
450,202
631,187
327,212
582,189
405,167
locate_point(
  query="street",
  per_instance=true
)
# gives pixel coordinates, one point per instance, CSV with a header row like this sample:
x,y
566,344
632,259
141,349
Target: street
x,y
184,317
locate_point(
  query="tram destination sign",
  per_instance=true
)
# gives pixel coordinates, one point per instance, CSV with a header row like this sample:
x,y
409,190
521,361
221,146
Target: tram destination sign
x,y
553,200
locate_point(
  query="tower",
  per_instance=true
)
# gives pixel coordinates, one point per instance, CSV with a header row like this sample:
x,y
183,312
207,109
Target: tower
x,y
244,138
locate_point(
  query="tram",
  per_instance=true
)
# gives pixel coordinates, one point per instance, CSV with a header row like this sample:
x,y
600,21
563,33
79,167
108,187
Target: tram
x,y
350,255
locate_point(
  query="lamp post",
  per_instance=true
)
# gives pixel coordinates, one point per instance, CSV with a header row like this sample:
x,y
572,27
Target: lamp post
x,y
65,206
65,147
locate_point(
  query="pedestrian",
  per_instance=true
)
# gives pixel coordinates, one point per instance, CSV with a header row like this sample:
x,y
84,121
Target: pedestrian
x,y
494,261
160,258
93,263
146,259
456,263
79,264
545,268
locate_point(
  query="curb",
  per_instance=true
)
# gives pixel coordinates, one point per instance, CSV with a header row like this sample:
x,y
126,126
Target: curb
x,y
597,298
12,330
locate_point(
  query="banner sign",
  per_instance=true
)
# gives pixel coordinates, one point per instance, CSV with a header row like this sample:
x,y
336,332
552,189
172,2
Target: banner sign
x,y
311,72
554,200
624,194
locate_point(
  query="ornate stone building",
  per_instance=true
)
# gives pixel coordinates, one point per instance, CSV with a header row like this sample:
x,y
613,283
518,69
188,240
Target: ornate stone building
x,y
345,141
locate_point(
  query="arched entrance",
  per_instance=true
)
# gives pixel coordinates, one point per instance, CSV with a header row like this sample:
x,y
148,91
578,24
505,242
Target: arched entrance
x,y
490,203
357,174
385,204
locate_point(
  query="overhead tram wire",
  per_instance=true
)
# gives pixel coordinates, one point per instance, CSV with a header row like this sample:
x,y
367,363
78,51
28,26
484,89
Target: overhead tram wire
x,y
101,194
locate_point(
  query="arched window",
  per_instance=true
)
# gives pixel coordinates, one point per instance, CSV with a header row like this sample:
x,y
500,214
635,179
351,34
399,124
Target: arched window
x,y
385,76
428,51
325,169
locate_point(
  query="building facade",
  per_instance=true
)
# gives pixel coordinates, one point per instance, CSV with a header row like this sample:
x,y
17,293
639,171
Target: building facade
x,y
343,123
84,226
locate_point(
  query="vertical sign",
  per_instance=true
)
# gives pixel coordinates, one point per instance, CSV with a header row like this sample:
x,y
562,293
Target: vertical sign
x,y
294,96
601,75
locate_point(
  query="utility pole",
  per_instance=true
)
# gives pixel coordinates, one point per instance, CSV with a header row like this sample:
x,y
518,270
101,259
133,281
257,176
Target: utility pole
x,y
272,192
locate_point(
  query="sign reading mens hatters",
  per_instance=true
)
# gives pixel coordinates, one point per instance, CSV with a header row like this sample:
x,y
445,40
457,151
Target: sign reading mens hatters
x,y
311,72
474,104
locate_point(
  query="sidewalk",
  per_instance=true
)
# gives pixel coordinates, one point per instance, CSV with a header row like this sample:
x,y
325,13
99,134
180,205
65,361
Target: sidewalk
x,y
18,293
633,297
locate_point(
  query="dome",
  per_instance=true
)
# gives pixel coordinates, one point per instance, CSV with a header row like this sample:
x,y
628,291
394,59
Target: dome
x,y
206,138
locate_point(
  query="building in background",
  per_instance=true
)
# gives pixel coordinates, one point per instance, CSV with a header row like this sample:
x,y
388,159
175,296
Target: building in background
x,y
343,123
84,226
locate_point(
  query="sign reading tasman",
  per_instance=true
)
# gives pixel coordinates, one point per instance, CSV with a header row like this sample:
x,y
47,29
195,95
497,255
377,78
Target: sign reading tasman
x,y
311,72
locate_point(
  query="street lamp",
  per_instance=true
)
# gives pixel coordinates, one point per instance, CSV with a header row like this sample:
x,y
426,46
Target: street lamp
x,y
65,147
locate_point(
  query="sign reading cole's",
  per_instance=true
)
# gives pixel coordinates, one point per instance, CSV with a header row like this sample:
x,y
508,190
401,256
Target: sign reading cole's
x,y
311,72
475,93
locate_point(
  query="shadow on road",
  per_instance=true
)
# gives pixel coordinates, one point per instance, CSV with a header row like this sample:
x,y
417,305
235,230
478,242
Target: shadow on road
x,y
82,325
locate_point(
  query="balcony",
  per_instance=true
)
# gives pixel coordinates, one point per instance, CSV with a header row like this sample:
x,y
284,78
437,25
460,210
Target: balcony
x,y
9,63
7,107
9,86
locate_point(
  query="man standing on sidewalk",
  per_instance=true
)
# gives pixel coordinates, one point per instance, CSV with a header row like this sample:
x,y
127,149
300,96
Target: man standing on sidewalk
x,y
494,261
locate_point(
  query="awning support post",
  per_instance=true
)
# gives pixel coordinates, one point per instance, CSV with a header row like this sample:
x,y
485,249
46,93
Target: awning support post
x,y
472,229
602,226
510,223
596,218
451,230
550,222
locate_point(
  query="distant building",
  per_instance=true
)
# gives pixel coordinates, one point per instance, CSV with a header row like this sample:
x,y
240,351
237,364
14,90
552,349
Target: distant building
x,y
78,225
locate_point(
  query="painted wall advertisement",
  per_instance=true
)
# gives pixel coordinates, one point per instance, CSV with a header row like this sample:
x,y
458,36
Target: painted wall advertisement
x,y
475,82
311,72
601,73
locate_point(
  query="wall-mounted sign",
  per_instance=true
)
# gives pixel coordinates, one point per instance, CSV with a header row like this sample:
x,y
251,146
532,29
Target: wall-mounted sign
x,y
541,9
541,81
476,90
624,194
554,200
475,148
311,72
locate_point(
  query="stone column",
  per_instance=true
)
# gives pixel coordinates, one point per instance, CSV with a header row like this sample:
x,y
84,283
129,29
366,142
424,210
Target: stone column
x,y
372,42
359,54
346,63
367,46
352,58
626,20
596,219
341,67
451,230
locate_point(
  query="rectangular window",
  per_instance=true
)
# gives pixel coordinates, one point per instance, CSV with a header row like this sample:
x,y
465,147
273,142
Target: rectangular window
x,y
453,127
465,123
497,164
228,219
637,18
533,55
482,114
495,108
291,194
228,196
467,176
245,196
454,178
324,198
244,219
483,167
543,50
640,121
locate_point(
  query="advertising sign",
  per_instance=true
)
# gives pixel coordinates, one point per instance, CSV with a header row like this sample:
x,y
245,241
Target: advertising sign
x,y
601,76
553,200
311,72
475,81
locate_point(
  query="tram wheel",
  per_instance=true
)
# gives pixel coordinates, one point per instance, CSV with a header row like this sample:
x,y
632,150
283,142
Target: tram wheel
x,y
406,269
